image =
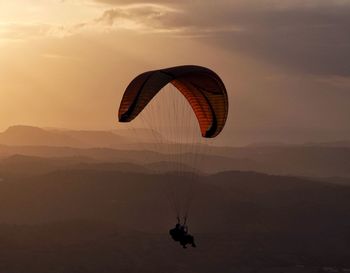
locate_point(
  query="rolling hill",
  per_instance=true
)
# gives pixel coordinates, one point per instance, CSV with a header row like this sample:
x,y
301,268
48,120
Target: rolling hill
x,y
90,220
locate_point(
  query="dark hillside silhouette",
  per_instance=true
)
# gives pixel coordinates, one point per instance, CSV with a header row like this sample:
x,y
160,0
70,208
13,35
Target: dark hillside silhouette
x,y
92,220
297,160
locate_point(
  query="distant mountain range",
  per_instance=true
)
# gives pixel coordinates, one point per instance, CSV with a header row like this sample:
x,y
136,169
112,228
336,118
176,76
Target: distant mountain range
x,y
310,160
80,208
24,166
21,135
34,136
298,161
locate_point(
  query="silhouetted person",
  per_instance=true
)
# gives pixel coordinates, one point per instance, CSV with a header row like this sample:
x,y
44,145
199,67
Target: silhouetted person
x,y
184,230
187,239
180,234
177,232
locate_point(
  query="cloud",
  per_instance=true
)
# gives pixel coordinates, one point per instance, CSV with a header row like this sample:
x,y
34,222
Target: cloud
x,y
306,40
18,32
24,32
335,81
306,37
303,36
281,4
128,2
151,18
146,17
155,18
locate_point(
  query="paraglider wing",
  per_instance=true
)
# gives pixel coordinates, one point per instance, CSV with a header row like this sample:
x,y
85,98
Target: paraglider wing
x,y
202,88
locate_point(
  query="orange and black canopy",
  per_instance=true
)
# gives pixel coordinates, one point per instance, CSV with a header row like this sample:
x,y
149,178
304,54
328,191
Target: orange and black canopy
x,y
202,88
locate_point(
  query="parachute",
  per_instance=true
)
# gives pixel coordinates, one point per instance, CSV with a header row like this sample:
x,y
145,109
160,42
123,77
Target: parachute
x,y
202,88
184,108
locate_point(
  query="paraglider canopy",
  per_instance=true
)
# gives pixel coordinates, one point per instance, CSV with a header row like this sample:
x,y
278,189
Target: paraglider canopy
x,y
202,88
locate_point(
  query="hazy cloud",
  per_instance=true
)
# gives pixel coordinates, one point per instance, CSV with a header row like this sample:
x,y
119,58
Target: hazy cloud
x,y
259,3
313,41
149,17
302,36
336,81
128,2
17,32
306,36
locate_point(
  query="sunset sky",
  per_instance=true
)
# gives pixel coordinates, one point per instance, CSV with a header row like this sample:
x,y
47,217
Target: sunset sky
x,y
285,63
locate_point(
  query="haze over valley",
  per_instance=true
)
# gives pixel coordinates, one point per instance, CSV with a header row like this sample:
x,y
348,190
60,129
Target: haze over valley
x,y
83,201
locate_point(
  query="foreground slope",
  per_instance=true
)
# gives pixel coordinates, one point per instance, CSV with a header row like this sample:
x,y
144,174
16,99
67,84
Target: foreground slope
x,y
92,220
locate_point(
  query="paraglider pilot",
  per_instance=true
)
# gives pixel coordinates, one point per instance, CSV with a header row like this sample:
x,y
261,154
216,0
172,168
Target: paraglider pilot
x,y
180,234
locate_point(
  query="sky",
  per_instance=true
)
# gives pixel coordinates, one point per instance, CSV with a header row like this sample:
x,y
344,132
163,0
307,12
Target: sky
x,y
285,63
